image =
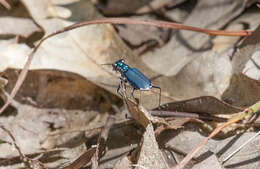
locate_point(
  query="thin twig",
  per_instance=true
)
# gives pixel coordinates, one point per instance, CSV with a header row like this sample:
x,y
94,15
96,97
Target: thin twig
x,y
240,147
162,24
29,163
14,141
186,114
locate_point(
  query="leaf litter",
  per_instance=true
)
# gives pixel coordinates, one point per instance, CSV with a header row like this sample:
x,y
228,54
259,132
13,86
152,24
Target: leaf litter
x,y
205,73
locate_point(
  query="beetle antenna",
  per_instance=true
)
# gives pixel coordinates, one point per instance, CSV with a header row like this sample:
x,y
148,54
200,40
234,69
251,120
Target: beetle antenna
x,y
107,64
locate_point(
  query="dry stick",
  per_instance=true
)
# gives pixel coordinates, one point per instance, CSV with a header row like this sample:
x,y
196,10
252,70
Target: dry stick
x,y
162,24
246,114
186,114
240,147
14,141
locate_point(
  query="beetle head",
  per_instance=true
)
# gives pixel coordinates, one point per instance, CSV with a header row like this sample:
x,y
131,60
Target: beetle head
x,y
118,65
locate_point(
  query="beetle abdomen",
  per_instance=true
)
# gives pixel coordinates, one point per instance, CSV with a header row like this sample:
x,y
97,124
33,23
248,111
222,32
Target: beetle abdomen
x,y
137,79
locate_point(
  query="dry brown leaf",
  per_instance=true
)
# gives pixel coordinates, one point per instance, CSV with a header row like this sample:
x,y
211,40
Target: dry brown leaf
x,y
56,89
242,91
150,156
204,104
142,117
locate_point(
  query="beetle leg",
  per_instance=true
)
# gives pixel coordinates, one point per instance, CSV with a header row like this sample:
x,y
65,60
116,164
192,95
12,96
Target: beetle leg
x,y
118,90
157,87
132,94
140,96
122,87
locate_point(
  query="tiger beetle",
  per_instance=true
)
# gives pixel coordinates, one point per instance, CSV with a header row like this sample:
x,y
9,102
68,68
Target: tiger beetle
x,y
134,77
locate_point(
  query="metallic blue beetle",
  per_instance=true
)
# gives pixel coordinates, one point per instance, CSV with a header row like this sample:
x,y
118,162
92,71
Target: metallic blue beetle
x,y
134,77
